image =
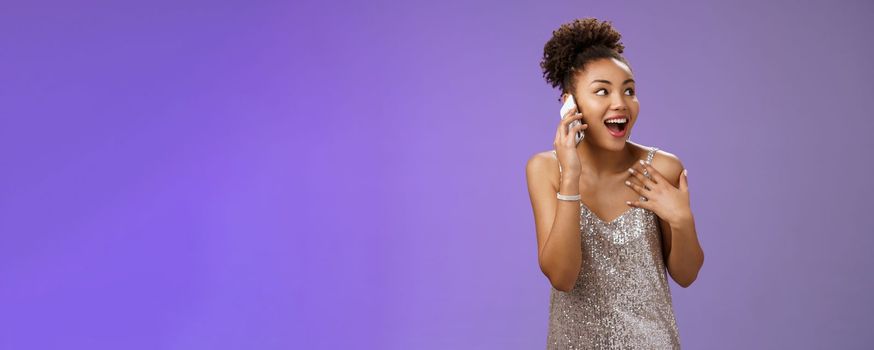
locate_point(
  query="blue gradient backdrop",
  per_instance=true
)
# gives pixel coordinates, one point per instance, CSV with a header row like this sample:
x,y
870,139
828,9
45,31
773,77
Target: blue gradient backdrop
x,y
326,175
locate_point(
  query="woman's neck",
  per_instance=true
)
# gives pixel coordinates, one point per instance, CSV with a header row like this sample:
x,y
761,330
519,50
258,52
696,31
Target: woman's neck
x,y
602,162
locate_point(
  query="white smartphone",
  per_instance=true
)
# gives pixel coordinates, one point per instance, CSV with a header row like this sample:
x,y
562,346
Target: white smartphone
x,y
568,105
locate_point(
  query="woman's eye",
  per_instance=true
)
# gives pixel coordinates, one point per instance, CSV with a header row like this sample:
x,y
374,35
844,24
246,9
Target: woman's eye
x,y
605,90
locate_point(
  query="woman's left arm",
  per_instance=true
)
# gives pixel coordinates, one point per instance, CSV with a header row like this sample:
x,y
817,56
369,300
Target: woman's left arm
x,y
684,254
669,200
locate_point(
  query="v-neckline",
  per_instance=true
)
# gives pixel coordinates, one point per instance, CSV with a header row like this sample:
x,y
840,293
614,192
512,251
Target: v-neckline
x,y
602,220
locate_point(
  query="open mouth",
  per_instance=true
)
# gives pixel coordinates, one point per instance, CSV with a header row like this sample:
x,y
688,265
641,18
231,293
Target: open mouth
x,y
617,126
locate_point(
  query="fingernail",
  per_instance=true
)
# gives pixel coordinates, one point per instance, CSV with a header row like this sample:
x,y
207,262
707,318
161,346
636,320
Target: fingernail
x,y
685,172
631,170
641,162
628,183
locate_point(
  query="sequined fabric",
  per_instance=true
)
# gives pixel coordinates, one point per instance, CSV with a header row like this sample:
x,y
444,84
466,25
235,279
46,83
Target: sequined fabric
x,y
621,299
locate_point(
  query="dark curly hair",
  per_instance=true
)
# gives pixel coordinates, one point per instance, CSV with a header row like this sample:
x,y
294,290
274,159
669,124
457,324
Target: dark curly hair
x,y
575,44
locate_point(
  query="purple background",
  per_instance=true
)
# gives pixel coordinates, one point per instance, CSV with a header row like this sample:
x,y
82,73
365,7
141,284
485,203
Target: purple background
x,y
324,175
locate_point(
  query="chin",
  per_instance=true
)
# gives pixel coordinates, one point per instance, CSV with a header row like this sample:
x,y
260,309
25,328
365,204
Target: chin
x,y
614,143
618,145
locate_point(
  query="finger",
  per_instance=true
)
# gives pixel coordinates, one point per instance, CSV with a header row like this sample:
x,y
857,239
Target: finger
x,y
655,174
571,131
643,179
580,127
684,181
638,188
567,121
639,168
639,204
558,134
563,124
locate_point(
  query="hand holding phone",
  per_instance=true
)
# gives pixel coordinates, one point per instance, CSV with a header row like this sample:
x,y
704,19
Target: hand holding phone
x,y
567,137
568,106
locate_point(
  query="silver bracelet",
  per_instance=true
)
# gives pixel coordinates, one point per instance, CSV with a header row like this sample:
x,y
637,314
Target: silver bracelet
x,y
565,197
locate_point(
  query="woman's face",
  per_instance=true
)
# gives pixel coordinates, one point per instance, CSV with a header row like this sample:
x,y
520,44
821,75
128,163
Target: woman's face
x,y
605,90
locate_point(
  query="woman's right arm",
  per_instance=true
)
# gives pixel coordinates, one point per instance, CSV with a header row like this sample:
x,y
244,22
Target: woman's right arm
x,y
557,222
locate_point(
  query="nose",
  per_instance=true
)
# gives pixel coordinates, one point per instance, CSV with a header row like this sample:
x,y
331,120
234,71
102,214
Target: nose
x,y
619,103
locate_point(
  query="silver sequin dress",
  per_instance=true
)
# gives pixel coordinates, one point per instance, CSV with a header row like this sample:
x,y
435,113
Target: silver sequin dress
x,y
621,298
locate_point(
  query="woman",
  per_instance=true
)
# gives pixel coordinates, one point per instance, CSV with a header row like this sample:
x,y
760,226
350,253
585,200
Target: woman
x,y
610,214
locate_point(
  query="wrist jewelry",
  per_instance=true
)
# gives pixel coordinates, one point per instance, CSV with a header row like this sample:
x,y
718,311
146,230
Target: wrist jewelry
x,y
566,197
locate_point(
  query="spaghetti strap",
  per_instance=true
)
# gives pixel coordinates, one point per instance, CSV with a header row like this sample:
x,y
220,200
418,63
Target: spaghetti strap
x,y
559,163
651,154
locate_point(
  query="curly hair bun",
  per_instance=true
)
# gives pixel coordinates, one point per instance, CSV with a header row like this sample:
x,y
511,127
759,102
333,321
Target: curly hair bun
x,y
576,43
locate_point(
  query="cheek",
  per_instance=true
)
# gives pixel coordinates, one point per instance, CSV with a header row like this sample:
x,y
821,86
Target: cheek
x,y
594,107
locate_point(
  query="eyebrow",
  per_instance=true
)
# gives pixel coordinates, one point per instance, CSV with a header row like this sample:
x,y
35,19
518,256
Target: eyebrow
x,y
609,83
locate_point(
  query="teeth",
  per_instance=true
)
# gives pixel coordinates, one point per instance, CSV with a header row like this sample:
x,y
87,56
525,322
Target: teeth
x,y
617,121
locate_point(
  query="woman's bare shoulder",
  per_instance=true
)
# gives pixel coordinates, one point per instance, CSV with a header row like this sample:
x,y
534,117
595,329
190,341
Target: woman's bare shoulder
x,y
542,165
